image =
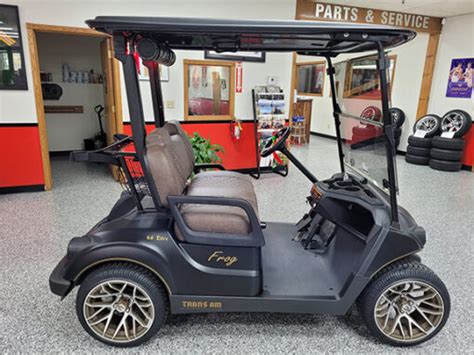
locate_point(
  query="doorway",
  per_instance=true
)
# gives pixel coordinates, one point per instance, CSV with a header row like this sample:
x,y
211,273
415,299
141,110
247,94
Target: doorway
x,y
80,63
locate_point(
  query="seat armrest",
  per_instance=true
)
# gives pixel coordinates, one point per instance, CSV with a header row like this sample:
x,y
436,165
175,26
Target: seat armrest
x,y
199,167
253,239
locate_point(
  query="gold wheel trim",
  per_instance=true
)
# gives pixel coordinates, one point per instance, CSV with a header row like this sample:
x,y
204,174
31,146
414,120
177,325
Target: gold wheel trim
x,y
118,311
409,311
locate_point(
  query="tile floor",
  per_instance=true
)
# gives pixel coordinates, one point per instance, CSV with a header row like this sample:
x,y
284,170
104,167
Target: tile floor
x,y
36,227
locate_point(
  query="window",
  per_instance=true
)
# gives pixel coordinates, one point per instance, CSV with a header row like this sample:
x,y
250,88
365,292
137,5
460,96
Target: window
x,y
310,78
208,90
362,80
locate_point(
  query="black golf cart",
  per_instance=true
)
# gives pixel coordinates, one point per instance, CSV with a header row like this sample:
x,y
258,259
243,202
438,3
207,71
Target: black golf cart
x,y
187,238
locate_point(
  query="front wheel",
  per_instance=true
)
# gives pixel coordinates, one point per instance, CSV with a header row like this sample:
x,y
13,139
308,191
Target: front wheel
x,y
406,304
121,304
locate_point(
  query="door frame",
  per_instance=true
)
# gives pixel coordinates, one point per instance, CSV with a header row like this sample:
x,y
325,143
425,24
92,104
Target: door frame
x,y
33,29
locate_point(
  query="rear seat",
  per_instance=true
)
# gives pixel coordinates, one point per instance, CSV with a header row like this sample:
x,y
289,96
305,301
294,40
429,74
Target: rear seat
x,y
171,161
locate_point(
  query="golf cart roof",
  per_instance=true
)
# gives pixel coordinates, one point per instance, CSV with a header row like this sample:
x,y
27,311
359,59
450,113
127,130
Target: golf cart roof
x,y
311,37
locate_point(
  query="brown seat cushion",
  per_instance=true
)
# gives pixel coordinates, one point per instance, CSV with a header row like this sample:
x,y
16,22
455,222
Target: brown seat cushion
x,y
219,219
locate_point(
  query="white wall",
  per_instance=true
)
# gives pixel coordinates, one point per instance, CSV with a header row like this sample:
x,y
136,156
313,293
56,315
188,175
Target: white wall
x,y
457,41
67,131
253,74
19,106
405,91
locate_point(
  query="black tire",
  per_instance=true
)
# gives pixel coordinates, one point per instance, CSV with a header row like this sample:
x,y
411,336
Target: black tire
x,y
398,116
431,124
444,154
457,121
397,142
408,270
417,151
444,165
448,143
416,159
132,274
398,132
419,142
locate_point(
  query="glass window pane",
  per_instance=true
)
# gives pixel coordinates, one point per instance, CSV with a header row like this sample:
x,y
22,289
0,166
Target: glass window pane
x,y
311,79
208,90
363,139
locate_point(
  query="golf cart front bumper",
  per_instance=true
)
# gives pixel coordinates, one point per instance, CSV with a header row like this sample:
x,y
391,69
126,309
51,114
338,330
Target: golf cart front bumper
x,y
57,283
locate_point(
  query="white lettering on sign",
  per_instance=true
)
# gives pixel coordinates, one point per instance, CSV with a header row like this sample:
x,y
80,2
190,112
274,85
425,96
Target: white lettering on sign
x,y
347,13
404,20
336,12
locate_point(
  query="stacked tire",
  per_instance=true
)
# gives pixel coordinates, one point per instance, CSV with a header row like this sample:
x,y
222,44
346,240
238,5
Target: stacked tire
x,y
398,118
446,153
419,148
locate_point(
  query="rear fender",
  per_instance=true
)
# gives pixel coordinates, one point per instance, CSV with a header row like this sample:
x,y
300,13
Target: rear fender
x,y
87,260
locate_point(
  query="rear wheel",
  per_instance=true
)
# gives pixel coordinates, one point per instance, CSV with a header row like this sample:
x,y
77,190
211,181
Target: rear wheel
x,y
121,304
406,304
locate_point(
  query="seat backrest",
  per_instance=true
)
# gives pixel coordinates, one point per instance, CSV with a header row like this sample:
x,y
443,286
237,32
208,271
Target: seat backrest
x,y
185,140
169,160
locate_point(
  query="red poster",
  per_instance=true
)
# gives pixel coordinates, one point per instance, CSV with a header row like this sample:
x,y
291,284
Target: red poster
x,y
238,77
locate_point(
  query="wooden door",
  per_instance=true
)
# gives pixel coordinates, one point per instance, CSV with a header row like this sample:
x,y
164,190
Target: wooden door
x,y
303,107
112,97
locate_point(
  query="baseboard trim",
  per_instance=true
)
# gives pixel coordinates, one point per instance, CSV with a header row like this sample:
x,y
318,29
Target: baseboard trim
x,y
18,189
322,135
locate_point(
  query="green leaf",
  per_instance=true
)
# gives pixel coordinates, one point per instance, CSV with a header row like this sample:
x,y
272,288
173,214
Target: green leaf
x,y
204,151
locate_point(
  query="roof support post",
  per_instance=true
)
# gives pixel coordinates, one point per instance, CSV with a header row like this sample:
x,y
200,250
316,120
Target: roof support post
x,y
156,92
124,53
383,63
336,111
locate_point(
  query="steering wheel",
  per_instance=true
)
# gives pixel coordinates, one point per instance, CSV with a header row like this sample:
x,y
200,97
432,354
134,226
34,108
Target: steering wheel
x,y
276,142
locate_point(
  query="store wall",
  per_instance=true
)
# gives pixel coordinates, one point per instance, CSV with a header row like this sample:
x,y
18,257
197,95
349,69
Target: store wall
x,y
253,74
67,131
457,41
18,107
405,92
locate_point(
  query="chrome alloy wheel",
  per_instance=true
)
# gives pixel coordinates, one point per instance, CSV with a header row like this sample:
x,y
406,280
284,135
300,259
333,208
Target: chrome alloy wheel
x,y
427,123
118,311
452,122
409,311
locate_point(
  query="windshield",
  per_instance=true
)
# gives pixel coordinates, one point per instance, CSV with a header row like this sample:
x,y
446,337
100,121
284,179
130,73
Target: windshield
x,y
359,97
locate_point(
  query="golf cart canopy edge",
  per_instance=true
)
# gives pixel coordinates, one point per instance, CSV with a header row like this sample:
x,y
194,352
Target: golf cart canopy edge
x,y
305,37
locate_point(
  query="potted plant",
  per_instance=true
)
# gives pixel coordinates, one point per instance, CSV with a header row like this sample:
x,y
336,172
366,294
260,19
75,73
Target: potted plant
x,y
204,151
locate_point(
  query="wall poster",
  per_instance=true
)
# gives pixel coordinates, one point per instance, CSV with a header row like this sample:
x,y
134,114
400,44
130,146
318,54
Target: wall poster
x,y
460,78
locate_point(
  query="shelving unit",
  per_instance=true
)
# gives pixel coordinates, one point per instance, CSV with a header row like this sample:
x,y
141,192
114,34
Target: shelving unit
x,y
268,117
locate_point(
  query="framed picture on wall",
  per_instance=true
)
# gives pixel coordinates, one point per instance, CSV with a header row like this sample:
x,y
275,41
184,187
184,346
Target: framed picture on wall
x,y
143,72
258,57
12,60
